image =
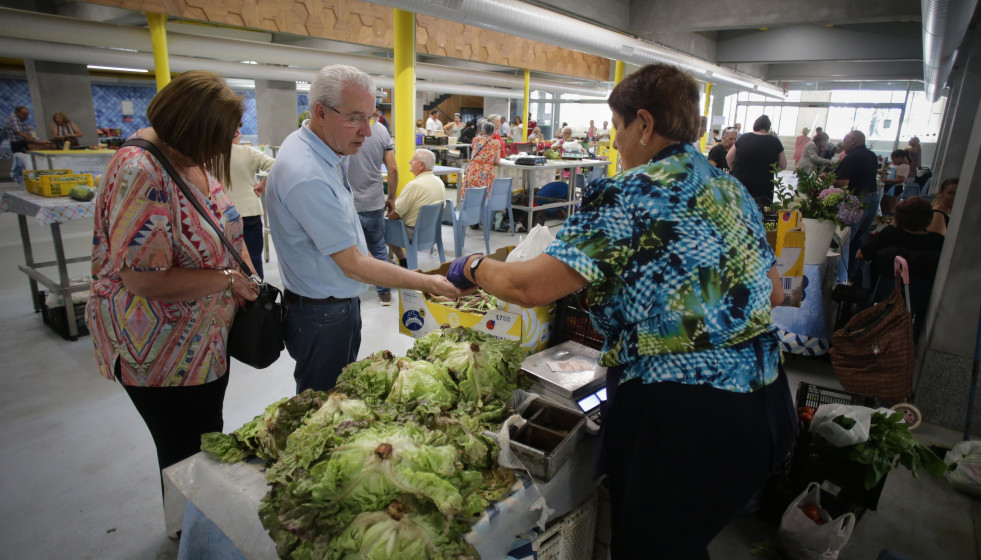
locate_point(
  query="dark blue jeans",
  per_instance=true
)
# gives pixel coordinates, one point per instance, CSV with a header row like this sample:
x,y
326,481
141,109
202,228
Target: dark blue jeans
x,y
373,225
322,338
252,229
860,231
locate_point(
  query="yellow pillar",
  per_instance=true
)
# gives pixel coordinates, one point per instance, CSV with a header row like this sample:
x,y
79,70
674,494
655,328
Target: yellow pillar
x,y
524,118
158,35
611,169
708,127
403,108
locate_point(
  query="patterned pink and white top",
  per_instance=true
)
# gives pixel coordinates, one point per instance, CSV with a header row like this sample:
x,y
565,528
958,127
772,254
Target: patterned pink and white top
x,y
144,222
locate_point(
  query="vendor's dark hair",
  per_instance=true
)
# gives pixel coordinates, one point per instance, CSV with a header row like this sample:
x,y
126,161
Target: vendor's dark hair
x,y
668,93
761,123
198,115
914,214
900,154
820,137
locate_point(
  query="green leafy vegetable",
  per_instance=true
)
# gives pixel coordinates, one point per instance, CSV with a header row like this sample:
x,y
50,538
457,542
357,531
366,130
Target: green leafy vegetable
x,y
890,437
226,447
844,421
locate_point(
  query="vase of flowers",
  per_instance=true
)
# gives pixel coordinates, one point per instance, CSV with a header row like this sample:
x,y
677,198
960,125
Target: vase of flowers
x,y
823,206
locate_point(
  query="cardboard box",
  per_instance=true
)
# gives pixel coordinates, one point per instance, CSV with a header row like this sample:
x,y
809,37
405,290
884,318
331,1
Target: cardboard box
x,y
55,182
788,244
532,327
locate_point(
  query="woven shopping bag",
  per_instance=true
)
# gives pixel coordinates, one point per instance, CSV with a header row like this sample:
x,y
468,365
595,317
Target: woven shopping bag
x,y
874,353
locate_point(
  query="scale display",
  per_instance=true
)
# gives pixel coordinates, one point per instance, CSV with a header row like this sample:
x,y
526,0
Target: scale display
x,y
592,401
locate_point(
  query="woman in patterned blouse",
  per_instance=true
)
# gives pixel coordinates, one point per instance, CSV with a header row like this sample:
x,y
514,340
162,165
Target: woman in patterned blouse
x,y
165,289
486,151
680,281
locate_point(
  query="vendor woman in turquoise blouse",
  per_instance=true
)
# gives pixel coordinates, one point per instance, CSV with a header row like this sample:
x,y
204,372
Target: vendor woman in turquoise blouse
x,y
680,280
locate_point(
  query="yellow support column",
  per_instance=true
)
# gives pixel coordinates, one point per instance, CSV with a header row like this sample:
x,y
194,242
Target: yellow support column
x,y
403,105
611,169
161,61
708,127
524,117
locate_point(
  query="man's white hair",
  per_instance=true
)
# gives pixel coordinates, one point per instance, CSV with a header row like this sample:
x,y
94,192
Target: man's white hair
x,y
330,81
427,158
494,117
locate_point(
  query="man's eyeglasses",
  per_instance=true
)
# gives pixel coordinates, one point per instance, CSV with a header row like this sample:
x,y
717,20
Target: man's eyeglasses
x,y
356,120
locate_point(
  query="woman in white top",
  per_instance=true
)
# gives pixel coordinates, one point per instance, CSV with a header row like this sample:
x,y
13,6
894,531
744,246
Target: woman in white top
x,y
245,192
894,182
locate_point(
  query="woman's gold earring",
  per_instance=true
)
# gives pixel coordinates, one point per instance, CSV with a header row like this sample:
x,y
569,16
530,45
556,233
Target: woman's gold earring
x,y
642,143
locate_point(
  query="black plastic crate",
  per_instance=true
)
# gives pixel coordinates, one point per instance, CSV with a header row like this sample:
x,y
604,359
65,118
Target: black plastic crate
x,y
816,460
57,317
850,300
572,322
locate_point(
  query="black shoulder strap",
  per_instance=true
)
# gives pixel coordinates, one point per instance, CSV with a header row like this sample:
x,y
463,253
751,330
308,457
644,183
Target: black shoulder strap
x,y
141,143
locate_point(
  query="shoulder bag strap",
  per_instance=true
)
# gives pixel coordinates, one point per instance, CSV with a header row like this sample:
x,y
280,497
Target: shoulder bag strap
x,y
150,147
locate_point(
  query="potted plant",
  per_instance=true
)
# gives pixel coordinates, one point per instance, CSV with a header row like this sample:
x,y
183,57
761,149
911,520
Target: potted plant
x,y
823,206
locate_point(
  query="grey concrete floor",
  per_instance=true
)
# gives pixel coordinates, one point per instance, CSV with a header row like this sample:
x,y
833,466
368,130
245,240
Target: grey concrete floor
x,y
78,479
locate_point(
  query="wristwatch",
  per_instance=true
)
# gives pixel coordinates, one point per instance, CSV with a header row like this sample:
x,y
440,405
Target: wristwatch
x,y
473,268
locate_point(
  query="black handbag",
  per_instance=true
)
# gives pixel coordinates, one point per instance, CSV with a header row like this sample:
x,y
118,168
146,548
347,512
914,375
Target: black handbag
x,y
256,334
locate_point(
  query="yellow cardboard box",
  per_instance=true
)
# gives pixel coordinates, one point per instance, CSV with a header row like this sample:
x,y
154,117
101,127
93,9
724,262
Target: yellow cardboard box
x,y
54,182
532,327
788,244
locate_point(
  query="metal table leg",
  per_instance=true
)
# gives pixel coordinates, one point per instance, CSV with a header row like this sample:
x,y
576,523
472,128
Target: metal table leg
x,y
25,239
64,281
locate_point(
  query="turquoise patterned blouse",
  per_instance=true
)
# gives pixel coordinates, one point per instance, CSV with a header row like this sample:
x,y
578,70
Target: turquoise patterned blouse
x,y
676,258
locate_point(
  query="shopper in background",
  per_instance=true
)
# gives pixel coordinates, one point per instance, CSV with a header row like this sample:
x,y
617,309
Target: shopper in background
x,y
496,121
480,172
244,191
694,360
591,131
717,155
454,128
468,133
365,176
799,144
20,134
433,123
516,129
323,258
604,133
810,158
63,130
858,172
424,190
536,135
165,289
420,129
896,178
909,239
943,205
380,115
915,155
751,160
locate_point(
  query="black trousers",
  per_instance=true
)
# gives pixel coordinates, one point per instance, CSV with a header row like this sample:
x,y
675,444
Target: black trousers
x,y
684,459
19,146
177,416
252,230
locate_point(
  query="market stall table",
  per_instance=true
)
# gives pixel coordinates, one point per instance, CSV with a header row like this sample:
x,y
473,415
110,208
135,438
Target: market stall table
x,y
50,211
215,506
525,173
79,161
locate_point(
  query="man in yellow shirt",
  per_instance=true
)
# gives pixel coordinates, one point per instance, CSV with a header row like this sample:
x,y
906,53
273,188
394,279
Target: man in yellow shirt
x,y
424,190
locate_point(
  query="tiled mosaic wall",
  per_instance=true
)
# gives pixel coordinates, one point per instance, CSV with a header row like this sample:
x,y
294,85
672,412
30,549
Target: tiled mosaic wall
x,y
108,104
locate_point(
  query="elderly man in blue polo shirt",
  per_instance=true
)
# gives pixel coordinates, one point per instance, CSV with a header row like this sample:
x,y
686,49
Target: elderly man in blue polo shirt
x,y
857,172
323,258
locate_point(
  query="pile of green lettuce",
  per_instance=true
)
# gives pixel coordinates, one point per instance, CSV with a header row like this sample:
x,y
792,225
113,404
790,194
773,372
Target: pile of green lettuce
x,y
391,464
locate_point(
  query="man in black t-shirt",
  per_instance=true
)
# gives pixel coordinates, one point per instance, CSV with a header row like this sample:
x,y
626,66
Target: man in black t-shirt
x,y
717,156
752,159
858,171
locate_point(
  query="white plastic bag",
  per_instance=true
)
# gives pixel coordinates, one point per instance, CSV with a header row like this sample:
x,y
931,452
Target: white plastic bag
x,y
801,538
966,477
539,238
823,424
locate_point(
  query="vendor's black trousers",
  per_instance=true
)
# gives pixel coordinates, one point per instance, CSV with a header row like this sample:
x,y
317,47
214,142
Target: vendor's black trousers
x,y
684,459
177,416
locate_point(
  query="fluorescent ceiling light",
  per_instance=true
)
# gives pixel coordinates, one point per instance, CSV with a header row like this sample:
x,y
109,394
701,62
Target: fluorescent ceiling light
x,y
117,69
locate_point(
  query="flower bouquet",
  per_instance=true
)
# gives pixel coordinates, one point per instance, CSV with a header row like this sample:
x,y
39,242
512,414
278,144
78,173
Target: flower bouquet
x,y
816,197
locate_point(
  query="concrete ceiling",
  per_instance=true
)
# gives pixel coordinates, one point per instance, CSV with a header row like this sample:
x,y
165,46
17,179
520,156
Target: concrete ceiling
x,y
775,40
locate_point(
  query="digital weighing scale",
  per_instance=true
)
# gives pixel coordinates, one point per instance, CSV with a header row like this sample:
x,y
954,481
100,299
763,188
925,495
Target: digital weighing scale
x,y
568,375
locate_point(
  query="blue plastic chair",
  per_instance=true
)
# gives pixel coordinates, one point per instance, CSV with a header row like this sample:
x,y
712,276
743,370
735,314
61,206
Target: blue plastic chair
x,y
470,213
596,173
499,199
428,232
